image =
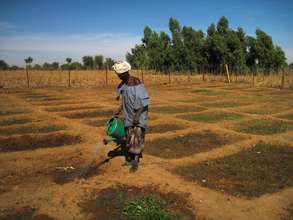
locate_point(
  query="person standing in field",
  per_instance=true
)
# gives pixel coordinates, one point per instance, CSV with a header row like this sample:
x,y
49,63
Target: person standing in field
x,y
134,104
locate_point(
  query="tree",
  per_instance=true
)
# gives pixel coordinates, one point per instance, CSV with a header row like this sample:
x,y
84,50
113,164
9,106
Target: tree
x,y
223,26
28,61
3,65
37,67
98,62
55,65
279,58
109,62
76,66
88,62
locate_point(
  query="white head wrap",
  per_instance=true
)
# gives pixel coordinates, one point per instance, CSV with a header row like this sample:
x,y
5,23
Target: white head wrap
x,y
121,67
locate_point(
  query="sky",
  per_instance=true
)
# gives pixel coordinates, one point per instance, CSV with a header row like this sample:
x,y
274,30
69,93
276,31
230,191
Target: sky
x,y
52,30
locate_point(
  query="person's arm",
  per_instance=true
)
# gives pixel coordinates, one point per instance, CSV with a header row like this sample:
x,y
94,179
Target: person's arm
x,y
119,110
138,113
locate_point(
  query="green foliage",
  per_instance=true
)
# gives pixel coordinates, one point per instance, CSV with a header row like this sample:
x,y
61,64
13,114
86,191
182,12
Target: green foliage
x,y
190,50
148,208
88,62
3,65
98,62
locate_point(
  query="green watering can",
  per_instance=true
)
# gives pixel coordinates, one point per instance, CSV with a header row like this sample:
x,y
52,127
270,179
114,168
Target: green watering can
x,y
115,129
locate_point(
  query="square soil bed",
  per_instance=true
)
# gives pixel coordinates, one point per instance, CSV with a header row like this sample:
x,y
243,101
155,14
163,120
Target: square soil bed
x,y
70,108
96,122
31,142
209,92
15,121
223,104
211,117
263,127
162,128
287,116
27,129
265,109
188,144
89,114
265,168
123,202
177,109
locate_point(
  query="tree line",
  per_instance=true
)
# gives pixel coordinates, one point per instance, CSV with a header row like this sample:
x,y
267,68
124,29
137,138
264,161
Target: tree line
x,y
191,50
88,63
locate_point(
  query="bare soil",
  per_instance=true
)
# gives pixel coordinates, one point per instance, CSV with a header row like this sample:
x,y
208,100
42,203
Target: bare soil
x,y
71,169
261,169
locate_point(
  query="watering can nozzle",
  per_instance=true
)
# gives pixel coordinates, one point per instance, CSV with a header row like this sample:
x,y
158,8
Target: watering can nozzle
x,y
105,141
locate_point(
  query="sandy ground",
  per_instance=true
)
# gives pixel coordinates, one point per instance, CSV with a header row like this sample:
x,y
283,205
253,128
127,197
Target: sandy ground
x,y
31,177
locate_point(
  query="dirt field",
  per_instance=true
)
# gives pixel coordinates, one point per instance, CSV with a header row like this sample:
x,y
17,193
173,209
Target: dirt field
x,y
213,151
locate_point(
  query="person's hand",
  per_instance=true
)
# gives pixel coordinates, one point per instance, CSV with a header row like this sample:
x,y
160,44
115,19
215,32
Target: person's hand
x,y
135,121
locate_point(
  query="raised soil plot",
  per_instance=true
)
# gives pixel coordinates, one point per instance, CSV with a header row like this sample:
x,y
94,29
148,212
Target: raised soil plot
x,y
162,128
263,127
89,114
211,117
124,202
174,110
265,168
188,144
31,142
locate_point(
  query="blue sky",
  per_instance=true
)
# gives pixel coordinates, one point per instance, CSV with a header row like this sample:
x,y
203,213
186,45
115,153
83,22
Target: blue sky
x,y
51,30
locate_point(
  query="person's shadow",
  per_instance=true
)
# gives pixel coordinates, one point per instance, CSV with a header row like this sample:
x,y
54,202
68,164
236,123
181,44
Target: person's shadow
x,y
120,151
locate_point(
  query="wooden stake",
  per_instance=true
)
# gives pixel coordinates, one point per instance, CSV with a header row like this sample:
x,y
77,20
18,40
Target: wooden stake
x,y
69,79
142,76
106,75
227,72
169,77
27,78
283,79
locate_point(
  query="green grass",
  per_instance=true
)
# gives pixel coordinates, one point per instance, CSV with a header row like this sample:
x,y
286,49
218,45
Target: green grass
x,y
264,127
211,117
209,92
148,208
174,110
262,169
124,202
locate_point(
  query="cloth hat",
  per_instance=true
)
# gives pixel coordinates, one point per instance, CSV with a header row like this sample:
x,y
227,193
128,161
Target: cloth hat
x,y
121,67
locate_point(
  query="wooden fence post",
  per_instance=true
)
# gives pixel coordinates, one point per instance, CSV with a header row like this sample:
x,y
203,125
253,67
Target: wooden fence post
x,y
142,76
69,79
283,79
227,72
106,75
27,78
